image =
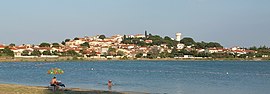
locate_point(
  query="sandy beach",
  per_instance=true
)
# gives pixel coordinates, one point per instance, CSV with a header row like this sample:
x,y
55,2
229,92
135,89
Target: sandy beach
x,y
23,89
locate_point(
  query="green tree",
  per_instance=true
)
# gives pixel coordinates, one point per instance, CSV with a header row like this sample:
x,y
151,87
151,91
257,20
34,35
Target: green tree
x,y
164,54
76,38
153,53
67,40
187,41
170,43
213,44
120,53
85,44
72,53
167,38
12,45
222,55
142,44
250,55
263,48
173,53
242,56
55,53
7,52
36,53
55,45
204,45
102,37
112,51
202,54
45,44
201,45
25,53
156,40
47,52
125,37
63,43
139,55
253,48
127,41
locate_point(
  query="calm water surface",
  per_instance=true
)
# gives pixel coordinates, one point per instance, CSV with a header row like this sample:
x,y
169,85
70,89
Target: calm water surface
x,y
171,77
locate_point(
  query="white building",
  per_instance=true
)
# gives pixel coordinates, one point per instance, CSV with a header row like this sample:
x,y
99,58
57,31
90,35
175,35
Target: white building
x,y
178,36
180,46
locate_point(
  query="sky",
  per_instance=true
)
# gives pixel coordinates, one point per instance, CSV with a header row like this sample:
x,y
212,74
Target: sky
x,y
243,23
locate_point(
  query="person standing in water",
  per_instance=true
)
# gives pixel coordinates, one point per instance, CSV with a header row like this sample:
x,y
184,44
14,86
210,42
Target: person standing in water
x,y
110,84
54,83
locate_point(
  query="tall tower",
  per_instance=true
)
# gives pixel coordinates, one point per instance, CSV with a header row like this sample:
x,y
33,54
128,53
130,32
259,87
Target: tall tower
x,y
145,34
178,36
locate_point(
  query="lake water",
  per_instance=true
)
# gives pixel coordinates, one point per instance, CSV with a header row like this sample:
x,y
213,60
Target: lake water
x,y
171,77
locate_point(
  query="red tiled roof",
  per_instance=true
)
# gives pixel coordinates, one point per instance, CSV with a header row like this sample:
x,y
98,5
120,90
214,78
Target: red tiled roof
x,y
2,46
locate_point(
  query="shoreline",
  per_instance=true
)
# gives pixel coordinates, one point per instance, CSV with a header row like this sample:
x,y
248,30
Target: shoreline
x,y
25,89
59,59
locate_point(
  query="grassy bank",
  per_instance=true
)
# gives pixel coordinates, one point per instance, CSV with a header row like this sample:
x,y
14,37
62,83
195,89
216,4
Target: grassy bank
x,y
21,89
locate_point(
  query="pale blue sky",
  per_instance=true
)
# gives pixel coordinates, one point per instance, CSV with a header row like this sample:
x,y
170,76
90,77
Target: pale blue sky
x,y
230,22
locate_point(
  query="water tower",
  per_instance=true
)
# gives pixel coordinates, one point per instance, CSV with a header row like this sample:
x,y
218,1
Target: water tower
x,y
178,36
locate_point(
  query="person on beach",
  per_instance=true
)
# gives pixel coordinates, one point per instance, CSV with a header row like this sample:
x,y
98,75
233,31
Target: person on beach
x,y
110,84
54,83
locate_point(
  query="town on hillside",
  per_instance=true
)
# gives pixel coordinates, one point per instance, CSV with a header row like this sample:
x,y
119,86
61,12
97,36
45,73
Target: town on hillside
x,y
131,47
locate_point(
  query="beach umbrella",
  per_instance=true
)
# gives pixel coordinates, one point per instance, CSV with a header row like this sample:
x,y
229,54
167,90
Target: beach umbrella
x,y
55,71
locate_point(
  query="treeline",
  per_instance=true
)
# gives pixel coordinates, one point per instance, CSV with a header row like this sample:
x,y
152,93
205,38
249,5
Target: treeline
x,y
158,40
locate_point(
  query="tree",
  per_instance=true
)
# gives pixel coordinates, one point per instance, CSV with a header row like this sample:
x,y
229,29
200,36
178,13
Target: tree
x,y
12,45
47,52
139,55
25,53
55,53
170,43
202,54
7,52
44,44
63,43
72,53
102,37
173,53
36,53
167,38
263,48
127,41
55,45
156,40
164,54
125,37
67,40
150,35
85,44
187,41
201,45
76,38
204,45
153,53
142,43
222,55
120,53
253,48
213,44
185,52
111,51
